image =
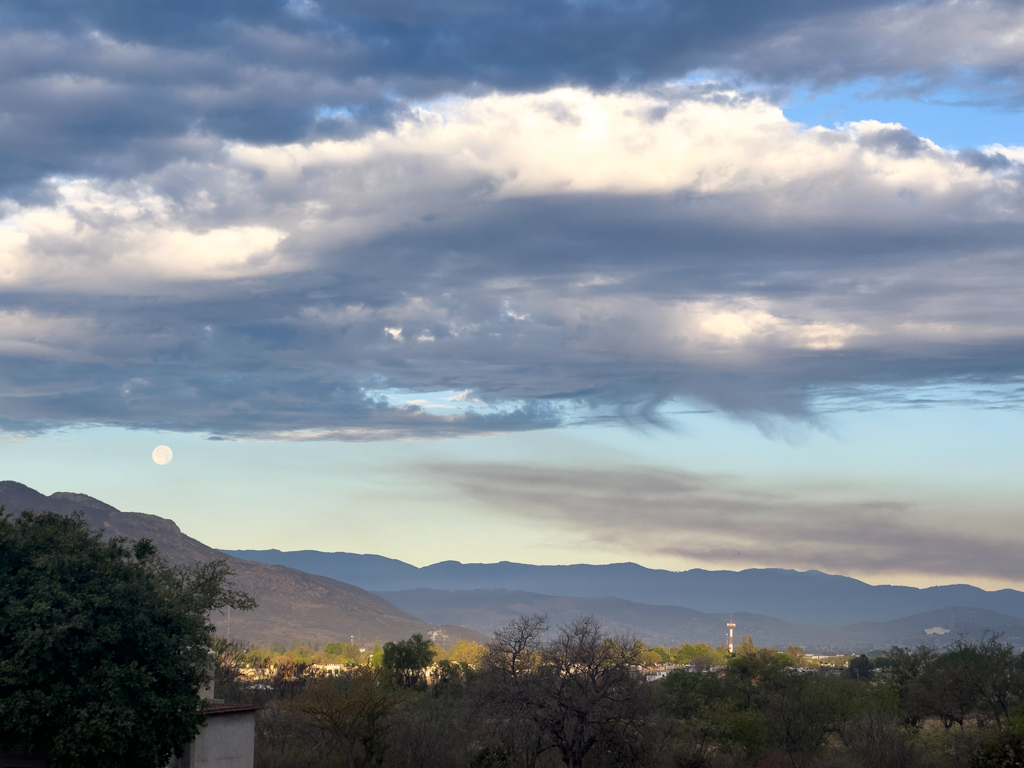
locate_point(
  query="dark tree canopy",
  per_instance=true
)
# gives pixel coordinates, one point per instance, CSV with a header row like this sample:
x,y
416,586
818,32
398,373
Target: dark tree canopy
x,y
103,647
406,660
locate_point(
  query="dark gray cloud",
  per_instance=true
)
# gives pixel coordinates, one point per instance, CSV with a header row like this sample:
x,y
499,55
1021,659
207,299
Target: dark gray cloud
x,y
716,519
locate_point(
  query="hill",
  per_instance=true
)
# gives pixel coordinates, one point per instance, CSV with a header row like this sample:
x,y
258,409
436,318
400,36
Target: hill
x,y
487,609
799,597
293,606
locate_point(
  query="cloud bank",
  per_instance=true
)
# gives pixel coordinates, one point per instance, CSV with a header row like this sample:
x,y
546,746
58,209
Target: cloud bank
x,y
551,252
264,219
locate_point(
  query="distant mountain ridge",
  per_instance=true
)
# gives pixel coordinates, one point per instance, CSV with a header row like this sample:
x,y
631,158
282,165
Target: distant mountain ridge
x,y
293,606
800,597
487,609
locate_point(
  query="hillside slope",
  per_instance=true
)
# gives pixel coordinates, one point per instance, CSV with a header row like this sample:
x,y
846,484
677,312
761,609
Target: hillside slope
x,y
293,606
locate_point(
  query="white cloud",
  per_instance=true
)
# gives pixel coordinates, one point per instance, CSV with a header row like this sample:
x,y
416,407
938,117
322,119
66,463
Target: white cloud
x,y
456,157
110,240
473,150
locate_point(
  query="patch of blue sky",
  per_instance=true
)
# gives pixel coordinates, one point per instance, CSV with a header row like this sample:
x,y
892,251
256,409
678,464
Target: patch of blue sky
x,y
333,113
449,401
952,119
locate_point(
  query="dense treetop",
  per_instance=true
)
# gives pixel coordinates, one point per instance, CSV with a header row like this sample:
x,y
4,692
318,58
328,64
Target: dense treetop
x,y
103,647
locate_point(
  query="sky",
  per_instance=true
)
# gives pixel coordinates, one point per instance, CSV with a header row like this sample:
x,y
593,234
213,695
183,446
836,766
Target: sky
x,y
688,284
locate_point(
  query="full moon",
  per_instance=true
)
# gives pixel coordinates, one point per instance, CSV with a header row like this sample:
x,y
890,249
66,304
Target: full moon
x,y
162,454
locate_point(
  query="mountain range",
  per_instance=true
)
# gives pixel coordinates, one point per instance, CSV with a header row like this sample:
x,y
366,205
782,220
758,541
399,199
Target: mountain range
x,y
801,597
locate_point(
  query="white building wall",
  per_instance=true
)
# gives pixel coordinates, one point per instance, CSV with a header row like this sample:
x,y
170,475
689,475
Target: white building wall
x,y
227,741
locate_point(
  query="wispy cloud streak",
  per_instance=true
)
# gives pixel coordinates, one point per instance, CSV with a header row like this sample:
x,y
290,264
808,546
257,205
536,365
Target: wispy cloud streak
x,y
700,519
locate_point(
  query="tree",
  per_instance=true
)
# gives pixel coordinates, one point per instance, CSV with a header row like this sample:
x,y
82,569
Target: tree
x,y
797,654
702,656
406,660
347,651
467,652
507,697
988,668
908,674
354,709
752,674
701,709
796,719
514,648
876,739
589,693
103,647
860,668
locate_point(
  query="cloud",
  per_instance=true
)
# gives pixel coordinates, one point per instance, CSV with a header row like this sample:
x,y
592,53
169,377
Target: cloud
x,y
913,49
714,520
558,254
105,89
108,240
264,209
24,333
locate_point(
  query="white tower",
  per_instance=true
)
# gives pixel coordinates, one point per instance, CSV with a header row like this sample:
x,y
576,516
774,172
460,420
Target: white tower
x,y
731,627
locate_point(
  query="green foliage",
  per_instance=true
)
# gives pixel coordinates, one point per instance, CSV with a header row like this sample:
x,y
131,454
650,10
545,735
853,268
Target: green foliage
x,y
343,651
406,660
860,668
700,654
467,652
302,654
663,654
277,648
103,648
746,646
797,654
970,680
685,695
1003,748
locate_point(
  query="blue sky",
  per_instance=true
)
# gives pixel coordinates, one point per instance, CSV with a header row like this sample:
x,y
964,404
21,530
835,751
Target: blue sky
x,y
952,120
948,466
689,284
